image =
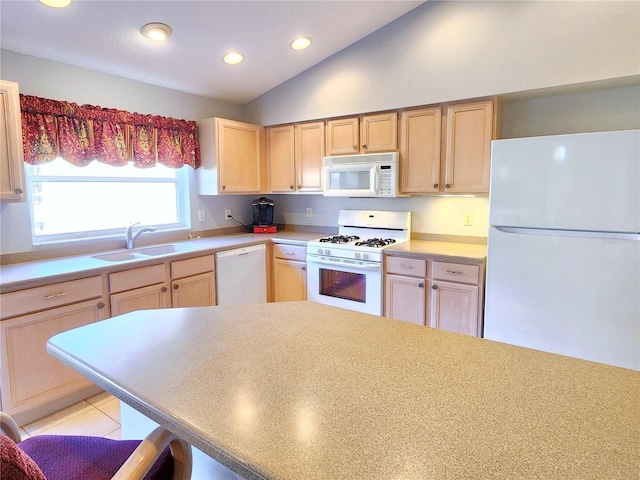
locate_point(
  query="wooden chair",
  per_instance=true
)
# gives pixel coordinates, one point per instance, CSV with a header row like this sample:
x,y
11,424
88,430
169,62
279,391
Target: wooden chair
x,y
160,456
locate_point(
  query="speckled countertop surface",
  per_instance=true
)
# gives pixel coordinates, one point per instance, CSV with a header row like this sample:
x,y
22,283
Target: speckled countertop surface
x,y
32,274
443,251
29,274
307,391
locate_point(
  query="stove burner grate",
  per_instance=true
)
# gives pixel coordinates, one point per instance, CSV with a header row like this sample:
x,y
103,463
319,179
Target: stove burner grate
x,y
340,239
376,242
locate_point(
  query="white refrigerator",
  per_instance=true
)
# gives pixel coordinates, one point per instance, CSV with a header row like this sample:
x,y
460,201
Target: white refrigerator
x,y
563,262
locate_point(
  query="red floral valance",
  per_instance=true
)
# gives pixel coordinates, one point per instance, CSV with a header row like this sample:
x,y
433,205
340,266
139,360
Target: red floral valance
x,y
83,133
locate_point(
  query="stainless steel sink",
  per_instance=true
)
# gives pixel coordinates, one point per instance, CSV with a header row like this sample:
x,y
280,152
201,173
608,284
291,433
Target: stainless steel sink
x,y
142,253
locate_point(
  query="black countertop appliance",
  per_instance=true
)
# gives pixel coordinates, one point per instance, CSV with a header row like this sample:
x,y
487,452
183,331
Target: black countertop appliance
x,y
263,215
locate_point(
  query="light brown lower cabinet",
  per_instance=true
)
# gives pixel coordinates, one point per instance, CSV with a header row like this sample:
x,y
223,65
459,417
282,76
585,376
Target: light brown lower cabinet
x,y
454,307
405,289
193,282
32,382
181,283
31,379
441,295
143,288
289,272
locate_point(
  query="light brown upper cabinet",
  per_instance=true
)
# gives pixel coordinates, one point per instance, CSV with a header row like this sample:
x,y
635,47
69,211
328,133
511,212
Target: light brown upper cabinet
x,y
365,134
470,129
448,153
232,157
11,151
295,157
420,139
309,153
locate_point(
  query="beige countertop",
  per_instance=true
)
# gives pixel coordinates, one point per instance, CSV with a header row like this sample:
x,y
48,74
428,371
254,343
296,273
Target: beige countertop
x,y
31,274
306,391
443,251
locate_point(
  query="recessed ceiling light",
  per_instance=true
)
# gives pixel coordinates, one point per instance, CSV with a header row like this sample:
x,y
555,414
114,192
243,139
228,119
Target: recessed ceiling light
x,y
156,31
56,3
232,58
300,43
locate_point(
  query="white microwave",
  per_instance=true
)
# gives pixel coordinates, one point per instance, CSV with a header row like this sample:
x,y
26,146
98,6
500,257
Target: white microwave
x,y
364,175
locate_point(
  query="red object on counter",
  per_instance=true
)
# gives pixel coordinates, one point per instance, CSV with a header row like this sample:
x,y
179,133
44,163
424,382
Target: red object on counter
x,y
265,228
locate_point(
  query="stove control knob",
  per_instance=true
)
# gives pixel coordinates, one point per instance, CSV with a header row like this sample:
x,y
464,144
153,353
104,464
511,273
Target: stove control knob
x,y
327,251
365,256
356,255
320,251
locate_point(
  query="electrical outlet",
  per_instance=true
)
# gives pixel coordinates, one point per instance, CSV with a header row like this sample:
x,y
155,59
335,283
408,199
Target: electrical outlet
x,y
468,220
309,212
227,213
201,215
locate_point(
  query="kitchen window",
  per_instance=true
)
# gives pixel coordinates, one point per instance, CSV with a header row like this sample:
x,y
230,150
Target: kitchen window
x,y
97,200
92,171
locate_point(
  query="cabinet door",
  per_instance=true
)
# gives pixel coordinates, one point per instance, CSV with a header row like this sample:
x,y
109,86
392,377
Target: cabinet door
x,y
309,153
194,291
454,307
470,129
239,161
379,133
30,376
11,151
420,133
290,280
343,136
282,158
146,298
405,298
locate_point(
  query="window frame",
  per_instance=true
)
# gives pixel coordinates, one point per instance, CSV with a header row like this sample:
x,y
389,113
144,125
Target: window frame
x,y
181,181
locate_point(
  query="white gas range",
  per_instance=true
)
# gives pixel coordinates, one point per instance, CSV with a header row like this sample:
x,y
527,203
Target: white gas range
x,y
345,270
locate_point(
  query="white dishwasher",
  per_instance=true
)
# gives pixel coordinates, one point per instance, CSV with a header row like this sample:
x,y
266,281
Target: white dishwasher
x,y
241,275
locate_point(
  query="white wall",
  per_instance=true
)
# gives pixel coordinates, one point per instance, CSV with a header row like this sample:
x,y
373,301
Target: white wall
x,y
59,81
434,215
443,51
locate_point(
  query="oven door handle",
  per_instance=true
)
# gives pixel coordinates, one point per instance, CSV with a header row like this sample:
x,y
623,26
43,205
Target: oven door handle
x,y
338,263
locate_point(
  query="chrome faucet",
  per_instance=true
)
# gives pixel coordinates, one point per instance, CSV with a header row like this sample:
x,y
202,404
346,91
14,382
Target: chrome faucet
x,y
131,238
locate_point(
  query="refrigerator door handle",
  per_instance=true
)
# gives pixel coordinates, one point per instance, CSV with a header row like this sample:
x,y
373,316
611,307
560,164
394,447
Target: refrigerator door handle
x,y
570,233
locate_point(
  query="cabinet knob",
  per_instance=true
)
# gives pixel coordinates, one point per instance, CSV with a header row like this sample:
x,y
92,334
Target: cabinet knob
x,y
304,268
355,148
176,286
364,146
18,191
101,306
164,289
435,185
434,287
421,285
223,187
448,185
299,187
290,187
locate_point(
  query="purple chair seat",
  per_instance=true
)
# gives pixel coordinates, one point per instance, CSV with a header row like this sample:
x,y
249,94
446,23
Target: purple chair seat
x,y
63,457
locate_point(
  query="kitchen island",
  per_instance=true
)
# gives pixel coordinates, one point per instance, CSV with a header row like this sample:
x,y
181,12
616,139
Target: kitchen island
x,y
307,391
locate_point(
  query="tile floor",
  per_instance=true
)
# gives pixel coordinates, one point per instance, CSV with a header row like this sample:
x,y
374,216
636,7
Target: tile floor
x,y
96,416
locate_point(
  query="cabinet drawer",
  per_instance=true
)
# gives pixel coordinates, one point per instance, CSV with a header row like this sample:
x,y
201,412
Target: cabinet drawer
x,y
290,252
42,298
137,277
407,266
455,272
191,266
